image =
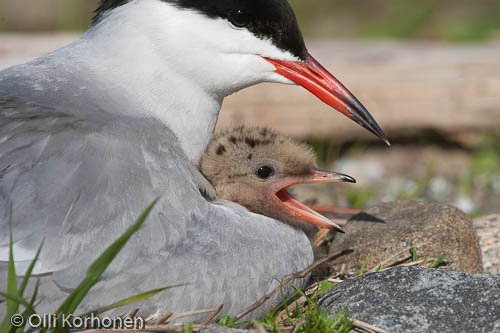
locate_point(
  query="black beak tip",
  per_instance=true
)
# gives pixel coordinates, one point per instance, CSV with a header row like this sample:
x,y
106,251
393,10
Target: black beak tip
x,y
384,138
339,229
365,119
349,179
376,130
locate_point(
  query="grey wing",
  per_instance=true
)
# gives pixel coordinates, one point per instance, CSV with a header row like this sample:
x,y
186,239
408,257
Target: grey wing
x,y
73,182
78,183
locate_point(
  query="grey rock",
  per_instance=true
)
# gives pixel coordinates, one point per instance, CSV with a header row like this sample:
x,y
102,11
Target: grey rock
x,y
411,299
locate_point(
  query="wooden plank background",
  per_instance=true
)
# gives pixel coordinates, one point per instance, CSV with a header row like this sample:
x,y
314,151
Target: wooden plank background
x,y
408,87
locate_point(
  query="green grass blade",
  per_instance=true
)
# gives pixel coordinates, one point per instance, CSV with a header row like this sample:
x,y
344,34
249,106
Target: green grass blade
x,y
228,321
342,323
319,320
298,291
29,311
325,286
35,293
98,267
423,262
27,276
16,330
188,328
12,304
438,261
413,252
363,266
284,302
18,300
133,299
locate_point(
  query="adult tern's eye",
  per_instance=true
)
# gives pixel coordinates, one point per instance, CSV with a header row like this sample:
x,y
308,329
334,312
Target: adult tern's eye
x,y
240,18
264,172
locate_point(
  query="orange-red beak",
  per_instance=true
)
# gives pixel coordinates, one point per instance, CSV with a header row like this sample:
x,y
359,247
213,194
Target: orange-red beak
x,y
300,210
315,78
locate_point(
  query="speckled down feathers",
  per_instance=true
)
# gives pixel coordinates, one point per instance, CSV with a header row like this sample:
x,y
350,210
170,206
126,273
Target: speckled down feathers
x,y
233,158
241,149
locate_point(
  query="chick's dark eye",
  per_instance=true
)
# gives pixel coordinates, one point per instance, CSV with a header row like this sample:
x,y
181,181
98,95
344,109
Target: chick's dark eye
x,y
265,172
240,18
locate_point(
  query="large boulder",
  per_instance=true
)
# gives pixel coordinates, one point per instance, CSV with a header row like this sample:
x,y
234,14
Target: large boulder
x,y
413,299
385,230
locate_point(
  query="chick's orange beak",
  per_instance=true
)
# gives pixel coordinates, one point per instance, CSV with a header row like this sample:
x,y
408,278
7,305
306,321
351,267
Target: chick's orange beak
x,y
300,210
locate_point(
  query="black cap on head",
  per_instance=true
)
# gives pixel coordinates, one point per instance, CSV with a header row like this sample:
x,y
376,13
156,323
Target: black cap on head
x,y
267,19
104,7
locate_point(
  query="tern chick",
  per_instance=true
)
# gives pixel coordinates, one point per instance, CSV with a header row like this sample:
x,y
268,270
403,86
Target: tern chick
x,y
254,166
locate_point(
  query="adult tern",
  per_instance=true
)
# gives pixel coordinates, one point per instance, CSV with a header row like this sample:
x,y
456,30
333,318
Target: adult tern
x,y
92,133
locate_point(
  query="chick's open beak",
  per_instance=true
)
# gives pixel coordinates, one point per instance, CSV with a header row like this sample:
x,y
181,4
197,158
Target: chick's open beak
x,y
300,210
311,75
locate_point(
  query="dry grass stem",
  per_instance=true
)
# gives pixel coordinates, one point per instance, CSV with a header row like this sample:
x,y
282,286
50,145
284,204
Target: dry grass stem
x,y
169,328
416,263
391,264
412,263
319,237
342,270
335,280
212,316
164,319
392,260
163,324
312,289
283,315
298,324
257,328
299,275
189,313
367,327
133,313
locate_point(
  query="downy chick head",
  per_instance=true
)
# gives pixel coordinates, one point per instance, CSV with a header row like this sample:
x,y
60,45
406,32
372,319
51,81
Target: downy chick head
x,y
253,166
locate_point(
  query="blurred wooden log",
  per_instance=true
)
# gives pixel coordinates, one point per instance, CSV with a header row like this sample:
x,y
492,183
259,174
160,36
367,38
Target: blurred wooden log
x,y
17,48
407,86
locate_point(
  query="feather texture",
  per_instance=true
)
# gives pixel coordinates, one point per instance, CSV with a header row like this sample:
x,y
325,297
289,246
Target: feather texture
x,y
79,171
